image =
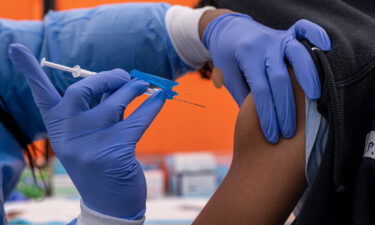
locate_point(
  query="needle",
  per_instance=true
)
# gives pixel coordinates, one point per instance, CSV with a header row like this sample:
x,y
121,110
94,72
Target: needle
x,y
203,106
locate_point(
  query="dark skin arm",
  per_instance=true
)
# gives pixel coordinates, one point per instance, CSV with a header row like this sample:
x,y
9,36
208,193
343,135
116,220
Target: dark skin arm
x,y
265,181
208,16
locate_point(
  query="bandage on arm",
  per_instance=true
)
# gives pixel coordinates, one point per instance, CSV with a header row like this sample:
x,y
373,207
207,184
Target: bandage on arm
x,y
265,181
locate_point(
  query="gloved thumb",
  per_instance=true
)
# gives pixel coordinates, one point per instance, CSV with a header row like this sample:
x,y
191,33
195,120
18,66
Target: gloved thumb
x,y
305,29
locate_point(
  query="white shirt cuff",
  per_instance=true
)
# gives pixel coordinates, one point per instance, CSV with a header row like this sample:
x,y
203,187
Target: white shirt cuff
x,y
92,217
183,29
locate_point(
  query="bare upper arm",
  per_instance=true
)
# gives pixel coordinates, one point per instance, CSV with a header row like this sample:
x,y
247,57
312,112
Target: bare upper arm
x,y
265,181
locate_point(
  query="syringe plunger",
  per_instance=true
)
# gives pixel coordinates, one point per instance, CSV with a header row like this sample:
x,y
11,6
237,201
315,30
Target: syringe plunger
x,y
76,71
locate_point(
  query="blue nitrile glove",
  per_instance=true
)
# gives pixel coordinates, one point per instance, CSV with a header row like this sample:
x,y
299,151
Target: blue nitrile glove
x,y
252,57
95,145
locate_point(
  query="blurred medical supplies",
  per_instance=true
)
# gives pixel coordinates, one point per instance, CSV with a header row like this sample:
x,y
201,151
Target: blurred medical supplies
x,y
159,82
33,184
58,211
223,162
155,183
27,186
62,185
192,174
12,214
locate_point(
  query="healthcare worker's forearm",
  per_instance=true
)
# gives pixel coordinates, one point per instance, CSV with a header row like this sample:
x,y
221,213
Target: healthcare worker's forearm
x,y
14,91
126,36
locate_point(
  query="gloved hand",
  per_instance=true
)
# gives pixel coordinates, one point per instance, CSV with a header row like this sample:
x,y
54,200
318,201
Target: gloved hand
x,y
95,145
252,57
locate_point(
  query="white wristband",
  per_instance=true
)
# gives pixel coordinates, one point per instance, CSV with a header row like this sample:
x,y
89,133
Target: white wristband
x,y
183,29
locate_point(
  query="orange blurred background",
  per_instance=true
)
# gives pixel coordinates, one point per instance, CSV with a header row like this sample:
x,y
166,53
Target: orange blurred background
x,y
179,127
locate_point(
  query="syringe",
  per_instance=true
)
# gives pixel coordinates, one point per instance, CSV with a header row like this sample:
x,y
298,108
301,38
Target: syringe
x,y
77,71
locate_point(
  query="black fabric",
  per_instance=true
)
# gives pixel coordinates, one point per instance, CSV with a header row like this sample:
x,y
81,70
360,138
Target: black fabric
x,y
20,136
343,190
12,126
364,199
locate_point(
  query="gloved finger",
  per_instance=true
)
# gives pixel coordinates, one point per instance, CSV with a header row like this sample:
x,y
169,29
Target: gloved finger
x,y
283,96
111,110
304,68
78,96
264,104
137,123
105,96
234,81
45,94
305,29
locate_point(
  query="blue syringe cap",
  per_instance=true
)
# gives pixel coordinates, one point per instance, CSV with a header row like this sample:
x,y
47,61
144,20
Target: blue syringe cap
x,y
165,84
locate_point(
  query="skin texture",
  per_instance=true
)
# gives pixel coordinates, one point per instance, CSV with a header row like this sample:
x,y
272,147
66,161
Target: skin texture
x,y
265,181
208,16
